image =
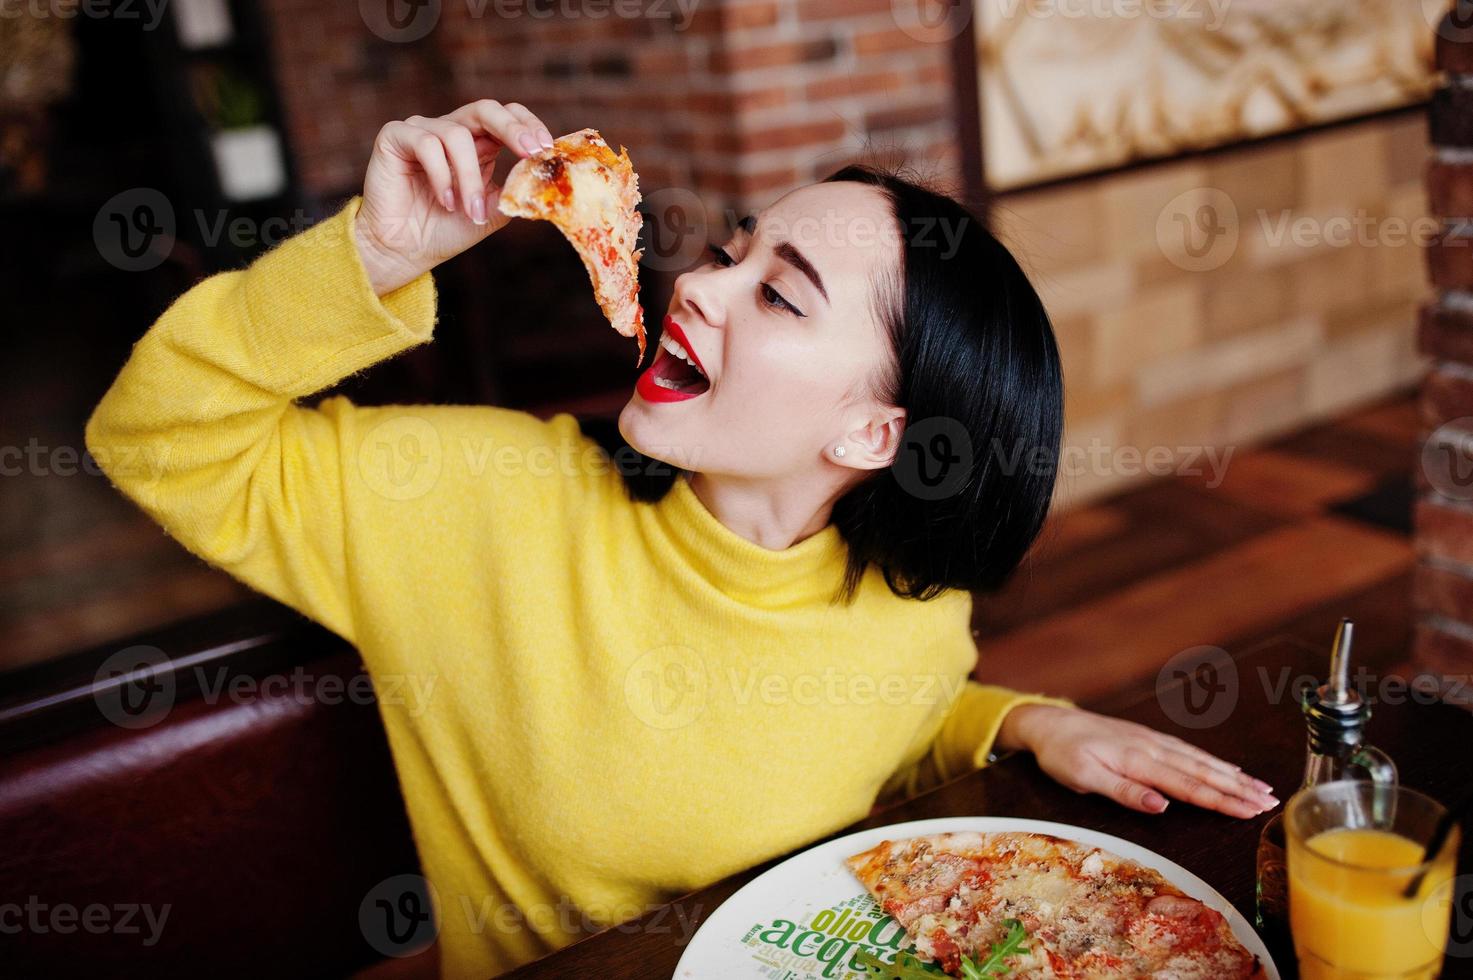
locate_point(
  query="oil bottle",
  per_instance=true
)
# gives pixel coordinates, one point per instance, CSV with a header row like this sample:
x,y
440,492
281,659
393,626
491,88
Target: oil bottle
x,y
1335,717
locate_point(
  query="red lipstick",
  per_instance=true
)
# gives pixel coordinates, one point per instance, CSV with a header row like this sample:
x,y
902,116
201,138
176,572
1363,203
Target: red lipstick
x,y
667,367
673,329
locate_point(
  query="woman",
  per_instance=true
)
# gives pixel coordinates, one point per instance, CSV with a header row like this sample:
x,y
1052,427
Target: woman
x,y
637,693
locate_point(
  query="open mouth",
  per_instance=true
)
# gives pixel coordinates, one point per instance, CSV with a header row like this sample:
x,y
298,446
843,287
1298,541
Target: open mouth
x,y
674,375
675,370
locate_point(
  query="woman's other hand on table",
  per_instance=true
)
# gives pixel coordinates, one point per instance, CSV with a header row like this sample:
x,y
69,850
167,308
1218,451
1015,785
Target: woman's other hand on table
x,y
1130,763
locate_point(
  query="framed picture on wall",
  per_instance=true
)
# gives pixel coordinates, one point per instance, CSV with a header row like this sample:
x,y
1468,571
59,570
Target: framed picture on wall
x,y
1072,86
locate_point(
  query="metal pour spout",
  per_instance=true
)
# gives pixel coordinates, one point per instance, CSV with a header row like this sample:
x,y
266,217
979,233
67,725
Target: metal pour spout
x,y
1338,684
1335,711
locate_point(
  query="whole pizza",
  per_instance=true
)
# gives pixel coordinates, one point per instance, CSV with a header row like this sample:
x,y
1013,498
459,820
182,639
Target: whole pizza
x,y
1034,906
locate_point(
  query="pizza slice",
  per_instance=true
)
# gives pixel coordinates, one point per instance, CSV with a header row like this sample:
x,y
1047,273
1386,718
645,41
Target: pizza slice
x,y
1085,913
590,194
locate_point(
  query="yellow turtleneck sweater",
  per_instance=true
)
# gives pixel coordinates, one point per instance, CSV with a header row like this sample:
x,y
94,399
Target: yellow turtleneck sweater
x,y
594,705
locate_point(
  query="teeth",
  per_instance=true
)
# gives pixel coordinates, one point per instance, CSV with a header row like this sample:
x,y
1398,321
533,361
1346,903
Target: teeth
x,y
673,346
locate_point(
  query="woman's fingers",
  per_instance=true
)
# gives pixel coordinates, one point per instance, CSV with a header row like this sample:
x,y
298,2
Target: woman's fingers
x,y
409,142
1187,780
1135,765
511,130
460,147
539,131
1102,779
1183,746
472,136
1238,784
457,152
1174,744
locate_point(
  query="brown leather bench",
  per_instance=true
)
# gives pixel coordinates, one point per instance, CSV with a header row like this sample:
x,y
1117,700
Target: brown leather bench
x,y
208,832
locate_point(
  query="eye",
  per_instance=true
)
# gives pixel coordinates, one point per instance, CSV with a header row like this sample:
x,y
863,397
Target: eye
x,y
770,296
774,298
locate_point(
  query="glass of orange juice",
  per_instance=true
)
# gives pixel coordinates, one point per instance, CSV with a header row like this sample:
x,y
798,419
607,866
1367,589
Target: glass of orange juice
x,y
1353,848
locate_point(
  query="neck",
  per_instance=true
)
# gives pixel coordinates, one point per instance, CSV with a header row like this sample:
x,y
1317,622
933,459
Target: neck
x,y
774,513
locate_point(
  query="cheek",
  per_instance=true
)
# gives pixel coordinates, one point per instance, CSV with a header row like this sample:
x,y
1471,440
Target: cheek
x,y
795,381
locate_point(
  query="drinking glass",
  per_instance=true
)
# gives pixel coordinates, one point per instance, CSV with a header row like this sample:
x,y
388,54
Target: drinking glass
x,y
1354,846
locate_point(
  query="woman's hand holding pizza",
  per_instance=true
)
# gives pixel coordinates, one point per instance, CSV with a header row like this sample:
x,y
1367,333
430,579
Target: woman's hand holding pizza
x,y
428,195
1130,763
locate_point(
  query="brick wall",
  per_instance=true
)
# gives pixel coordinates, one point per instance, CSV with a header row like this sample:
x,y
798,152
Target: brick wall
x,y
1444,514
735,101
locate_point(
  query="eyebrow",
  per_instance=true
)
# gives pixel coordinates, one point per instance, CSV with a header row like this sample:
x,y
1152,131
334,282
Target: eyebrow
x,y
788,253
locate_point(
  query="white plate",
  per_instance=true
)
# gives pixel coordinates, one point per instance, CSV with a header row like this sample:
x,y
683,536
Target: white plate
x,y
729,943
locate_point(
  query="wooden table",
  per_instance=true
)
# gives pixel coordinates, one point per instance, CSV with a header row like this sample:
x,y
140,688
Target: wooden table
x,y
1263,732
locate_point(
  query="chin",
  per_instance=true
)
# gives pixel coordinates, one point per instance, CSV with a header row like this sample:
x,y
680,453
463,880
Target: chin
x,y
638,429
642,430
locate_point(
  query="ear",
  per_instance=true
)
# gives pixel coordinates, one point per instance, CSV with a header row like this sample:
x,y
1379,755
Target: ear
x,y
872,445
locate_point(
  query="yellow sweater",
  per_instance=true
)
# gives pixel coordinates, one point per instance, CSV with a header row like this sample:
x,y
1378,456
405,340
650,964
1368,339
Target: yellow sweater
x,y
594,705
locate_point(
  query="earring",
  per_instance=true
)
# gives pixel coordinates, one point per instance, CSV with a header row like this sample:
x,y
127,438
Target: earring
x,y
839,450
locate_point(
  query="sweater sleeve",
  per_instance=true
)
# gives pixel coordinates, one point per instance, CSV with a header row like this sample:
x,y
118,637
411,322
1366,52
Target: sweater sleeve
x,y
201,430
962,740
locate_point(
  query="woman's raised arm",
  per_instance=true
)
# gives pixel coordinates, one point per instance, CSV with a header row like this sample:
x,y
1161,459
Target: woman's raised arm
x,y
200,427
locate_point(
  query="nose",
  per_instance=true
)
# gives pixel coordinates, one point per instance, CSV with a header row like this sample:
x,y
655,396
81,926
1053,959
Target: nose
x,y
699,294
